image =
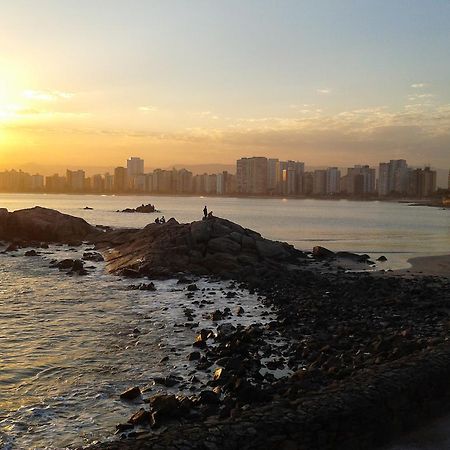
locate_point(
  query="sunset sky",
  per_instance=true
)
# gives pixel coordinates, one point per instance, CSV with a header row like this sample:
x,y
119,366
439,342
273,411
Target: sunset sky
x,y
337,82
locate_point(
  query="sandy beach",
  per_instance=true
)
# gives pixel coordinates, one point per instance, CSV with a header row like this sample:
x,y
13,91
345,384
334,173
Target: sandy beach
x,y
429,265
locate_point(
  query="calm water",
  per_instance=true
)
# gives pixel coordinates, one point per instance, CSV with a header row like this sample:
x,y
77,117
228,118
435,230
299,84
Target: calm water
x,y
69,345
397,230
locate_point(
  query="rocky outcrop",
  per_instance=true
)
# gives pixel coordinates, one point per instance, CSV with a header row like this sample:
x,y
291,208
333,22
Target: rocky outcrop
x,y
143,209
44,225
213,246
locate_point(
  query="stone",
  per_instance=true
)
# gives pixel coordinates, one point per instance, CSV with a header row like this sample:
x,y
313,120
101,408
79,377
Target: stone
x,y
44,225
382,258
163,403
131,394
142,417
322,252
31,253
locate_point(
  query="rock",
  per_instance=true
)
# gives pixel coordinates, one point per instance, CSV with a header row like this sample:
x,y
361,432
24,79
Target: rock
x,y
163,403
143,209
224,331
223,245
121,427
45,225
217,315
209,398
239,311
131,394
194,356
322,252
65,264
166,381
382,258
93,256
142,417
31,253
192,288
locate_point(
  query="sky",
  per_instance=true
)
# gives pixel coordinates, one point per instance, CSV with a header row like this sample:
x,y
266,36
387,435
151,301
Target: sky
x,y
329,82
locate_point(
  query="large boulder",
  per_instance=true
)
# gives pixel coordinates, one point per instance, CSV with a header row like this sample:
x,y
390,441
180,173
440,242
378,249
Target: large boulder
x,y
212,246
45,225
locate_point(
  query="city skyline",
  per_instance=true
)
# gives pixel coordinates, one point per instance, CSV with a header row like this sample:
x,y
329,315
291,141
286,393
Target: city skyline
x,y
328,82
252,176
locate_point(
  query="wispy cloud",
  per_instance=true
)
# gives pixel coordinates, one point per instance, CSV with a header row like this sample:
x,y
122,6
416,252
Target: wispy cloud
x,y
47,96
148,109
323,91
419,85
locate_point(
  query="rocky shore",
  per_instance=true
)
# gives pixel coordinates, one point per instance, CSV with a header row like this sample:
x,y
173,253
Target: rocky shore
x,y
360,357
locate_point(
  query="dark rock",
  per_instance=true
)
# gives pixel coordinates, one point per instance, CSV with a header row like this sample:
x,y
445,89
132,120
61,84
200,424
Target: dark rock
x,y
194,356
31,253
192,288
142,417
382,258
322,252
44,225
131,394
93,256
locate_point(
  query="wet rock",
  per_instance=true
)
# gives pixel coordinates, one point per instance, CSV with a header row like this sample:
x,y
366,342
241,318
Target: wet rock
x,y
31,253
130,273
224,331
121,427
322,252
144,287
131,394
142,417
169,381
163,402
192,288
194,356
239,311
93,256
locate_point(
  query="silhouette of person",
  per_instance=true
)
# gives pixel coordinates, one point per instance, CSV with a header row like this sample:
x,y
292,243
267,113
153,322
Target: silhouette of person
x,y
157,220
205,212
162,220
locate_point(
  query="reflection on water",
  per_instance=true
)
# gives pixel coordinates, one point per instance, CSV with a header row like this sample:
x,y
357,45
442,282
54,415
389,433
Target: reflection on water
x,y
70,345
395,229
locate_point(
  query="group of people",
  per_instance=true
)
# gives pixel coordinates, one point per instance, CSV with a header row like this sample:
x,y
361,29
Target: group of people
x,y
206,214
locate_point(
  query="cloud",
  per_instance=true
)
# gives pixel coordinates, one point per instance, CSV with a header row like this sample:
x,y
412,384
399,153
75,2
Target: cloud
x,y
419,85
323,91
147,109
47,96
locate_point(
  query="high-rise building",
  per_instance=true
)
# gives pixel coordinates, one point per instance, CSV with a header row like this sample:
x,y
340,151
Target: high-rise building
x,y
120,179
55,183
319,182
98,183
360,180
393,177
135,166
37,182
251,174
272,175
333,178
109,182
421,182
75,180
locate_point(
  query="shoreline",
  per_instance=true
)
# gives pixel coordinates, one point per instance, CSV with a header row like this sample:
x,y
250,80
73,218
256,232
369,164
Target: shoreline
x,y
436,265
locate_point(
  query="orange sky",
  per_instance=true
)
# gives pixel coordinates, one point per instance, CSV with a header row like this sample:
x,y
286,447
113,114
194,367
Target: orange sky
x,y
325,83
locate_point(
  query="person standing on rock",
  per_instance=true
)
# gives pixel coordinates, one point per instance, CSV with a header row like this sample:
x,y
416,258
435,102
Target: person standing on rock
x,y
205,212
